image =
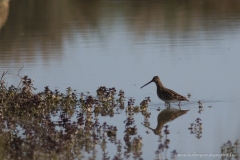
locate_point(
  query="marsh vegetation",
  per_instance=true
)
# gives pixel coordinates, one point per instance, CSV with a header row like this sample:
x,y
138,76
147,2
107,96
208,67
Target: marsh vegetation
x,y
54,125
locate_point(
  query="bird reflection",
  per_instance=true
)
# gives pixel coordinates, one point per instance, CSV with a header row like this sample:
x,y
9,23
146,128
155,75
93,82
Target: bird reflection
x,y
165,116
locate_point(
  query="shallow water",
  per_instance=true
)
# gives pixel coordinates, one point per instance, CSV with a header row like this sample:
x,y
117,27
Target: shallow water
x,y
192,46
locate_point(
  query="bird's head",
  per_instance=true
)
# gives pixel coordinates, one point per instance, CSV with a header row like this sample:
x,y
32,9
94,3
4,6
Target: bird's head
x,y
155,79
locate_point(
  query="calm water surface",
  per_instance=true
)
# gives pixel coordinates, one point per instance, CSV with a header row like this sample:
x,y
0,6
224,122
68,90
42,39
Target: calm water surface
x,y
193,46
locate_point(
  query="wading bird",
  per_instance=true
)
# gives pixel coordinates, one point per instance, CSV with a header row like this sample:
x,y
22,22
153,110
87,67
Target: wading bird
x,y
165,94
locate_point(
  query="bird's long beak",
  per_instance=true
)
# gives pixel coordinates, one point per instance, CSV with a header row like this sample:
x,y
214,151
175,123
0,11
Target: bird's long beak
x,y
146,84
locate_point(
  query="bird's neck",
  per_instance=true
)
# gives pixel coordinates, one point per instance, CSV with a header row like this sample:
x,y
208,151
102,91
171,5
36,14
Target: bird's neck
x,y
159,84
159,126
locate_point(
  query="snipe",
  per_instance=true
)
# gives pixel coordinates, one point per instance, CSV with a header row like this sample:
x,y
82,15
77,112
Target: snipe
x,y
165,94
166,116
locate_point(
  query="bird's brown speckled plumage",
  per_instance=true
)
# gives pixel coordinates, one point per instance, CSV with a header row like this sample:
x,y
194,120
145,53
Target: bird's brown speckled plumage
x,y
165,94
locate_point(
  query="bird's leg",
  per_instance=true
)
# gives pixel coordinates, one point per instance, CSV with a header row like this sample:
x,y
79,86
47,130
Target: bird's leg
x,y
168,105
179,105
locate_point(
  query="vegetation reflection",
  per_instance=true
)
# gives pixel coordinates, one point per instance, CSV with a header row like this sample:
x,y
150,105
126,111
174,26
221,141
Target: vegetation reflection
x,y
173,19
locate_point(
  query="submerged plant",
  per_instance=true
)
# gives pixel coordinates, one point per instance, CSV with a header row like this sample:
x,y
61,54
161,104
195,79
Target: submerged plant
x,y
196,128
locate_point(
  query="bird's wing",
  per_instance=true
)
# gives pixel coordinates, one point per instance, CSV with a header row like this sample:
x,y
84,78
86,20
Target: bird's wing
x,y
170,94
